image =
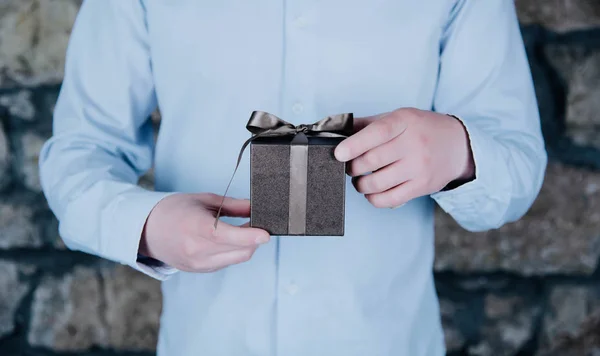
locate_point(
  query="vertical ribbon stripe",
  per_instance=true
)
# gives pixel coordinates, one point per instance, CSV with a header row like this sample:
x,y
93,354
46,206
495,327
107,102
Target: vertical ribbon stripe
x,y
298,185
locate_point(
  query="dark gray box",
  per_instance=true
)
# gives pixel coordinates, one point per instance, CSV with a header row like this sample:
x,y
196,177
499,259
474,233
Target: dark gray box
x,y
270,186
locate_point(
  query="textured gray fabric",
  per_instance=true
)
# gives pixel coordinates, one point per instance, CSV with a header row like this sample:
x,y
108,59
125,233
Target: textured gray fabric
x,y
270,178
326,188
269,187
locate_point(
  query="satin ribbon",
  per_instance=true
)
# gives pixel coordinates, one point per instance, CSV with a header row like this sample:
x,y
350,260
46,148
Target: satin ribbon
x,y
263,124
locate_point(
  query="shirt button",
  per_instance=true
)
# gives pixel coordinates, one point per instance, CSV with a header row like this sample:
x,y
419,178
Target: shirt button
x,y
297,108
292,289
300,22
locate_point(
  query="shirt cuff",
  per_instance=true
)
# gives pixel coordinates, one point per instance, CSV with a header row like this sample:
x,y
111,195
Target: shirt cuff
x,y
154,268
479,197
127,221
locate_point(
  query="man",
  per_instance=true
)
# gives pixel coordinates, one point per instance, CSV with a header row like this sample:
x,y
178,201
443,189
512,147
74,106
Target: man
x,y
403,66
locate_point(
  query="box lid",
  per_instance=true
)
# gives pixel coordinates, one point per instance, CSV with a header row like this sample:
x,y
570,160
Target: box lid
x,y
286,140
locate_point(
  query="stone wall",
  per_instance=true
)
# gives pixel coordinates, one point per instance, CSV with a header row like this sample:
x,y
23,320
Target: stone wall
x,y
529,288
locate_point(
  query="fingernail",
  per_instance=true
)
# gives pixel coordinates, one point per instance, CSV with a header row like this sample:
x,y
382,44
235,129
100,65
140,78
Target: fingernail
x,y
262,239
341,154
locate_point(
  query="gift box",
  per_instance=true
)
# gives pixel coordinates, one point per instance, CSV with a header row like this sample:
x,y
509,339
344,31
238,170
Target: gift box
x,y
289,198
297,187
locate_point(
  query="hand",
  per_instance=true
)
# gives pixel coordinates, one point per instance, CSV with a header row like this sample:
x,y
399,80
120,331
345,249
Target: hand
x,y
411,153
180,232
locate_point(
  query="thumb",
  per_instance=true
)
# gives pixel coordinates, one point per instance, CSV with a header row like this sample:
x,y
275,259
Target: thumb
x,y
239,208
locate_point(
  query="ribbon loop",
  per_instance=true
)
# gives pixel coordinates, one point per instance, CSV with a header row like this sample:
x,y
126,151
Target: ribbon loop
x,y
264,124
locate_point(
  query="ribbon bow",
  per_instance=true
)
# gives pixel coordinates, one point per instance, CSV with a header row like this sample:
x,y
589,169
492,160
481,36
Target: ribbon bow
x,y
264,124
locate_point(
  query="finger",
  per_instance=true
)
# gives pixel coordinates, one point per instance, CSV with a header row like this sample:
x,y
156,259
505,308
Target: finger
x,y
234,235
231,206
362,122
396,196
384,179
212,248
231,258
375,134
218,261
236,208
377,158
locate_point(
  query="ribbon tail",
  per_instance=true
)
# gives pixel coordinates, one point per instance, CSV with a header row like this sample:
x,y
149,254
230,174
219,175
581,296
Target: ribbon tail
x,y
237,165
280,131
298,185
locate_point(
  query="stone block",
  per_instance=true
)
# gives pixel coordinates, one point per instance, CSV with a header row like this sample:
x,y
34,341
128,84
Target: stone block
x,y
65,312
17,226
453,335
579,69
114,307
51,234
4,159
559,235
19,104
33,40
508,326
569,307
133,307
560,15
12,291
147,180
584,341
31,144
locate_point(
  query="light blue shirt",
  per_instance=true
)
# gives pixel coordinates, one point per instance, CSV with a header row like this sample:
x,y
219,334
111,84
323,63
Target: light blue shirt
x,y
208,65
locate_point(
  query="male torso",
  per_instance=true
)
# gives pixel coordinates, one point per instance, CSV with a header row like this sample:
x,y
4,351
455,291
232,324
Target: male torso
x,y
368,293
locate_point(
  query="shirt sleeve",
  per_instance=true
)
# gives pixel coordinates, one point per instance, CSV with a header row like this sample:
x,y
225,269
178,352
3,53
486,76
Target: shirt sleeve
x,y
102,138
485,81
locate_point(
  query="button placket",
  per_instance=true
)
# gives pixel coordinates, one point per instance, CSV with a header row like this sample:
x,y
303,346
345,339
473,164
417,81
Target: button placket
x,y
298,91
298,108
292,288
300,22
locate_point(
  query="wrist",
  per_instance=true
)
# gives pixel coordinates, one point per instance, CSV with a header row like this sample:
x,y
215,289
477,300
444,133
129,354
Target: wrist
x,y
144,253
465,161
143,247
